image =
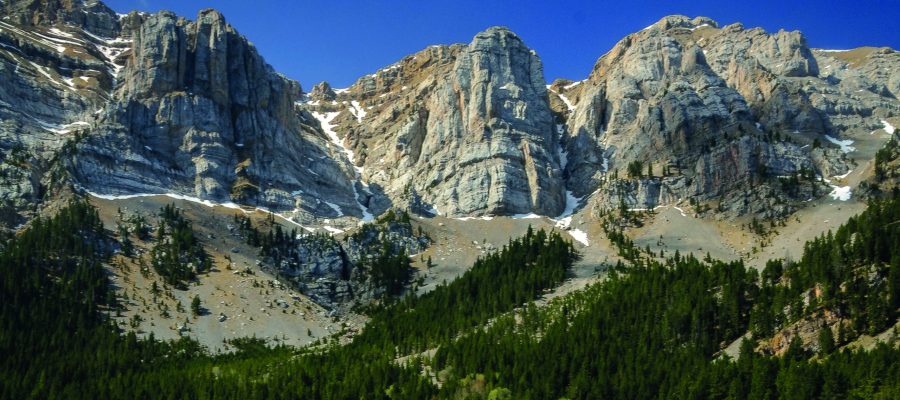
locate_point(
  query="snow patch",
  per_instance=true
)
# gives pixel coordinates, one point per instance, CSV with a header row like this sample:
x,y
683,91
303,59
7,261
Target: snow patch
x,y
433,210
843,176
573,84
56,128
191,199
526,216
332,229
336,208
58,32
357,111
51,42
888,128
698,27
580,236
482,218
137,195
841,193
845,145
564,99
44,71
325,119
572,203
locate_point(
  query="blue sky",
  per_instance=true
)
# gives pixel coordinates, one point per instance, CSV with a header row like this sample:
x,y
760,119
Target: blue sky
x,y
339,41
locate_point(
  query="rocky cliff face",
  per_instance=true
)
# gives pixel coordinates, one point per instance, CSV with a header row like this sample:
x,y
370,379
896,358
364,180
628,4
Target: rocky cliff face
x,y
467,128
337,274
721,115
91,15
199,112
58,62
684,109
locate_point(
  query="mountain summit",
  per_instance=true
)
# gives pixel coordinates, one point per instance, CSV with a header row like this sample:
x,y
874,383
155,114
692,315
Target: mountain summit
x,y
683,110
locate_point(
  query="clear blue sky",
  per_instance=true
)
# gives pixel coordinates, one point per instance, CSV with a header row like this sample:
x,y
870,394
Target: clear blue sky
x,y
339,41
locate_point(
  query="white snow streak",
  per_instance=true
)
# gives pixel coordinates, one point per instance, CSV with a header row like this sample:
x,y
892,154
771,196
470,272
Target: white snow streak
x,y
357,111
482,218
573,84
526,216
844,175
336,208
580,236
332,229
562,97
845,145
325,119
197,201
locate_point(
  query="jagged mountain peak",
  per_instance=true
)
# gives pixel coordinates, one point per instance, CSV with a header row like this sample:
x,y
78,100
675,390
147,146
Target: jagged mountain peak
x,y
462,129
501,33
682,21
322,91
211,13
432,60
458,130
199,112
751,100
93,16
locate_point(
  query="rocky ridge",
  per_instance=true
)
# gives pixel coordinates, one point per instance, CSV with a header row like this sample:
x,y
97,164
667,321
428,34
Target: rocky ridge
x,y
338,274
199,112
741,120
58,62
723,116
466,128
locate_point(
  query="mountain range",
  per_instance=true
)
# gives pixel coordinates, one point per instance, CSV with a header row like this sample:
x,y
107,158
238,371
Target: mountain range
x,y
709,212
681,111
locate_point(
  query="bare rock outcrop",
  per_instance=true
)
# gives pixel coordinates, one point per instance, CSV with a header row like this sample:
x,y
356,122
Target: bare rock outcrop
x,y
468,128
199,112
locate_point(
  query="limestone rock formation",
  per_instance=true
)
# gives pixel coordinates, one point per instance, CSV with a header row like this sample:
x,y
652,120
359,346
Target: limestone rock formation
x,y
337,273
683,110
199,112
467,128
721,115
58,62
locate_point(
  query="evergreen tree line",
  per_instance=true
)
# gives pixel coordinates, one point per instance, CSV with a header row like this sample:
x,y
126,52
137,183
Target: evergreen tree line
x,y
853,272
652,329
55,340
177,254
656,329
496,283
